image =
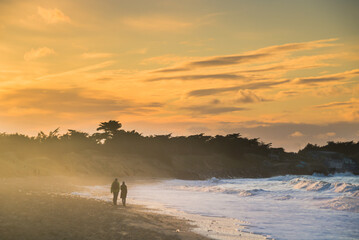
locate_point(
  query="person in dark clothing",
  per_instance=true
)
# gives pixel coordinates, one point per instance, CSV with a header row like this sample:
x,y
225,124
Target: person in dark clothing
x,y
115,189
123,193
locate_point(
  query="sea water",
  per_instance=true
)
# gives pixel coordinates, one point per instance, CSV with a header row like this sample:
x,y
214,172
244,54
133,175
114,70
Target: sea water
x,y
284,207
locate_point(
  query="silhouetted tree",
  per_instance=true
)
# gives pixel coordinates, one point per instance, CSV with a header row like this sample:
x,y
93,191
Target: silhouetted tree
x,y
51,137
110,128
75,135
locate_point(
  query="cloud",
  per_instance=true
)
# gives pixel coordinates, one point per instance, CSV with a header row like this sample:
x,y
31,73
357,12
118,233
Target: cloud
x,y
331,134
218,61
224,76
328,78
255,85
226,60
38,53
335,104
156,23
211,110
61,100
95,55
289,47
246,96
52,16
163,59
78,70
287,93
71,100
267,69
297,134
326,135
256,55
319,79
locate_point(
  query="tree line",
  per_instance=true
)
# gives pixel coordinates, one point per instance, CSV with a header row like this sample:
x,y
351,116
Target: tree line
x,y
110,138
112,150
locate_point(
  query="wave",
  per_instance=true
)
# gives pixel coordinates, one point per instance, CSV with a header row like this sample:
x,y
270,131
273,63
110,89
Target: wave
x,y
343,204
355,194
345,187
284,178
310,185
219,189
214,180
317,185
282,198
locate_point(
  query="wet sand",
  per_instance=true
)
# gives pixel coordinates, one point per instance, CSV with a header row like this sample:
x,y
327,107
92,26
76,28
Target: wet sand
x,y
40,208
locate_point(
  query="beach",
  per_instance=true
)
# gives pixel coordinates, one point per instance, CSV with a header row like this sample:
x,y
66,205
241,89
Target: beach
x,y
48,208
40,208
283,207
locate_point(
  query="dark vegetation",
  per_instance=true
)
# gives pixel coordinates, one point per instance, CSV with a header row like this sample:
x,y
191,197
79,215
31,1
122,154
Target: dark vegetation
x,y
112,151
349,148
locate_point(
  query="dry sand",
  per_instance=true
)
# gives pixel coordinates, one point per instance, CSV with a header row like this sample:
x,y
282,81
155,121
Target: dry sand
x,y
37,208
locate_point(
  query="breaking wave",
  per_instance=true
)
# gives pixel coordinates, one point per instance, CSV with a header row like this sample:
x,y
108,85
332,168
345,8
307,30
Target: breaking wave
x,y
344,203
317,185
221,189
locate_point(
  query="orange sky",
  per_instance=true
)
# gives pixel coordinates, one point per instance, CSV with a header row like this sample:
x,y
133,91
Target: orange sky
x,y
286,72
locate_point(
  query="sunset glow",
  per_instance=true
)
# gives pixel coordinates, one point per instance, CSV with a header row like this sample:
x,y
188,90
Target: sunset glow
x,y
284,71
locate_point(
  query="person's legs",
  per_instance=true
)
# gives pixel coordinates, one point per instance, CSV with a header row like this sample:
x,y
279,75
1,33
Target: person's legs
x,y
115,195
124,201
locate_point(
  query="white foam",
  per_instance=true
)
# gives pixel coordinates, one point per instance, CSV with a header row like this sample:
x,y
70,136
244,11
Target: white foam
x,y
318,185
343,204
220,189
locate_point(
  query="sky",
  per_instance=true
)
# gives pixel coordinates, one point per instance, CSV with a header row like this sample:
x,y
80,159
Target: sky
x,y
283,71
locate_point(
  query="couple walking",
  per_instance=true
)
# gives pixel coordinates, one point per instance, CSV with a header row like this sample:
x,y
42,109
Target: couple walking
x,y
115,189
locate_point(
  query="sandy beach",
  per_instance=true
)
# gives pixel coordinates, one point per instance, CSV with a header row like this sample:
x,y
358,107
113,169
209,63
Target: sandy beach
x,y
38,208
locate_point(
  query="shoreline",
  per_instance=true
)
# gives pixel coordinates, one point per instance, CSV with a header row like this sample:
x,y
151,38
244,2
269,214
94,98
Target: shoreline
x,y
39,209
220,228
46,208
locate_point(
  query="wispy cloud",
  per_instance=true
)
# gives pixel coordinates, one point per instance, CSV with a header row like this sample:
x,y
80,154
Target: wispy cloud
x,y
156,23
93,55
226,60
256,55
254,85
328,78
337,104
297,134
247,96
163,59
38,53
289,47
69,100
78,70
199,77
212,109
52,16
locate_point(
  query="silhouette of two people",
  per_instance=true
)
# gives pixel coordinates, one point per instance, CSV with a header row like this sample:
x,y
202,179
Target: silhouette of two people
x,y
115,189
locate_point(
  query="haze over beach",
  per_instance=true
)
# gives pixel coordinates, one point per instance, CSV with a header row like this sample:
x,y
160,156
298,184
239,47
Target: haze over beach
x,y
230,119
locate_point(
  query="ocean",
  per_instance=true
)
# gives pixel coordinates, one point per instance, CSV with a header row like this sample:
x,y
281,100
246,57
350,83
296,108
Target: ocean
x,y
284,207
